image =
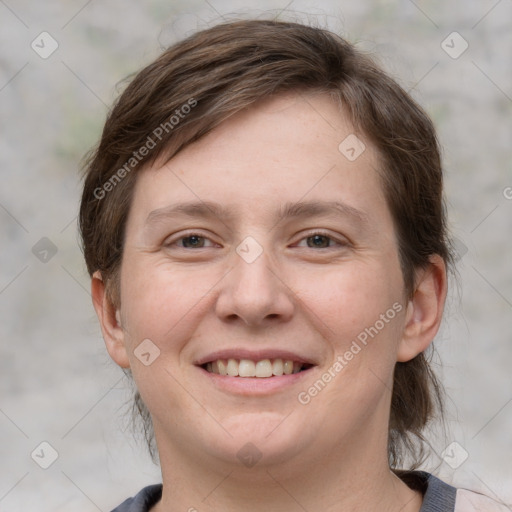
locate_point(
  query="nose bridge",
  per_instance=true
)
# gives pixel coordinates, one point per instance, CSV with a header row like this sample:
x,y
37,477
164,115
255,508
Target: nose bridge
x,y
253,290
253,267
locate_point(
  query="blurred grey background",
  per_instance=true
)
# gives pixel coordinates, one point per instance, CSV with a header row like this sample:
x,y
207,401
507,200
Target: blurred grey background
x,y
59,66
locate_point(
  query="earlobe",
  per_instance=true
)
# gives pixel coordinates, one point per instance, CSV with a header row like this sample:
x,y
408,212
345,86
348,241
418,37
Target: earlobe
x,y
110,322
424,310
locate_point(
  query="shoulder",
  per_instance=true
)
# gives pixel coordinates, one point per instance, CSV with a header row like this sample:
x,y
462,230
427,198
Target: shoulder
x,y
438,496
143,501
470,501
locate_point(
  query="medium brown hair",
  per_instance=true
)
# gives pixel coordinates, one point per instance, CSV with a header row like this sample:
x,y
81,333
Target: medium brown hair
x,y
220,71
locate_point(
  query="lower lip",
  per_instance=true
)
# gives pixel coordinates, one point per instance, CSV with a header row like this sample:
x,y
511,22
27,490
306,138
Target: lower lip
x,y
255,385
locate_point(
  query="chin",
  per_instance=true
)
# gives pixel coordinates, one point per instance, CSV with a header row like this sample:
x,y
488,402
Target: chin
x,y
263,440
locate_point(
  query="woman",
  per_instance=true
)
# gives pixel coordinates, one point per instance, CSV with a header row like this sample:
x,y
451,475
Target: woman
x,y
264,225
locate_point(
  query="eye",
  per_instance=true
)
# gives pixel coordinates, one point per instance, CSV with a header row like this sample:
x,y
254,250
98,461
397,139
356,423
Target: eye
x,y
190,241
320,240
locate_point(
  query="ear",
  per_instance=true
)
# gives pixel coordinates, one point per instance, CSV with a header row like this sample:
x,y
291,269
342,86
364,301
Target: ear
x,y
424,310
109,318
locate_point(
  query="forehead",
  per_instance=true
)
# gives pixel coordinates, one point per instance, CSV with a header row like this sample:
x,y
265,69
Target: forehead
x,y
285,149
284,127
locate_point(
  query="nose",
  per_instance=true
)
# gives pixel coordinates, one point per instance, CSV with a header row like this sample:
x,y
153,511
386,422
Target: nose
x,y
255,292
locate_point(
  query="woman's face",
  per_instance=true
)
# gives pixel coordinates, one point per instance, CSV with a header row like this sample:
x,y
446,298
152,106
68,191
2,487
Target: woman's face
x,y
268,241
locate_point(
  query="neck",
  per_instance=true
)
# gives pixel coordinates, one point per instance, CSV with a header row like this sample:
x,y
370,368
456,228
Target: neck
x,y
352,480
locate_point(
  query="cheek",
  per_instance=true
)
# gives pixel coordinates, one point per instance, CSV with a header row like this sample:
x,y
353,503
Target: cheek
x,y
360,312
165,306
346,302
161,303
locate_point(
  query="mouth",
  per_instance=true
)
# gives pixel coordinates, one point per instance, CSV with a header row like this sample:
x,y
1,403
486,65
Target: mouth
x,y
249,368
265,372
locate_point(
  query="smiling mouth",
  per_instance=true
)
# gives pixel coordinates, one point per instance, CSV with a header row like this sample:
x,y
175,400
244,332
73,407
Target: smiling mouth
x,y
264,368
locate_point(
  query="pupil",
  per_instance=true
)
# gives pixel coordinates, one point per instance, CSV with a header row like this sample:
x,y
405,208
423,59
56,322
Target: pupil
x,y
194,238
318,238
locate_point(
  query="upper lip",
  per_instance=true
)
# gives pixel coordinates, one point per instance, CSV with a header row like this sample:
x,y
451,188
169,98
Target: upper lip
x,y
254,355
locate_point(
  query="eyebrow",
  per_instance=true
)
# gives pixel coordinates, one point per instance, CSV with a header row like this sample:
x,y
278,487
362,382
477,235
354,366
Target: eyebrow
x,y
209,209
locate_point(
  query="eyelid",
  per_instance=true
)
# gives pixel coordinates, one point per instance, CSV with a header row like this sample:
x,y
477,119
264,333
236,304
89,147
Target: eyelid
x,y
341,241
171,241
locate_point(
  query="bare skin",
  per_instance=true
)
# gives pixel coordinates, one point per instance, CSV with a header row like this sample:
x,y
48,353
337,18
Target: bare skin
x,y
320,280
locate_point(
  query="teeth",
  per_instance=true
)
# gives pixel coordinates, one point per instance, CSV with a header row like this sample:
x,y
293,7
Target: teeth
x,y
288,367
222,367
277,367
232,368
264,368
248,368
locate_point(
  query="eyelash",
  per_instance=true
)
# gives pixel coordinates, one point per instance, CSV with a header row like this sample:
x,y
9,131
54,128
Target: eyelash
x,y
309,235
